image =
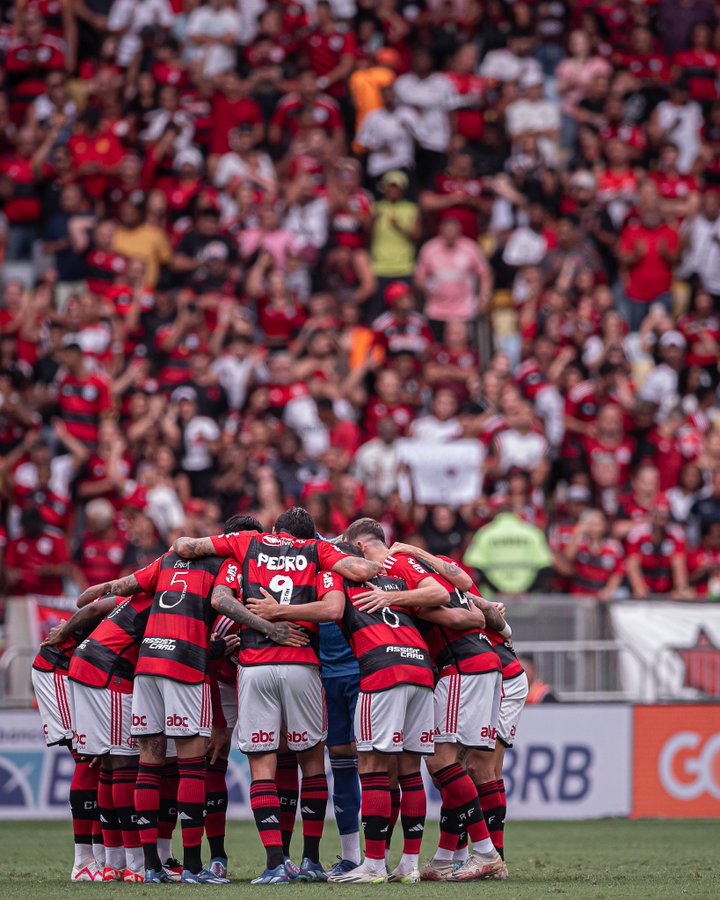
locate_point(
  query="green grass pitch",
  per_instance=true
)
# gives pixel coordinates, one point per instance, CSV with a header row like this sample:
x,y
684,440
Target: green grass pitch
x,y
607,859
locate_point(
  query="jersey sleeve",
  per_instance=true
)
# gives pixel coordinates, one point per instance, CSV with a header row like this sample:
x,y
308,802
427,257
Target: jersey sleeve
x,y
328,554
409,569
327,582
232,544
148,577
230,574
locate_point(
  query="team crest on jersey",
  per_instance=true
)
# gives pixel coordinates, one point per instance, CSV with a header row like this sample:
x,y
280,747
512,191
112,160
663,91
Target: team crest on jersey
x,y
271,539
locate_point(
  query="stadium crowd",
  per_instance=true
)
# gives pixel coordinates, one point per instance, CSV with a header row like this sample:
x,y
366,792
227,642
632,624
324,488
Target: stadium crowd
x,y
251,248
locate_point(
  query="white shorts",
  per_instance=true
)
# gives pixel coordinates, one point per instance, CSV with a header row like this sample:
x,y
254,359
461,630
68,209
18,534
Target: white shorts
x,y
102,721
398,719
467,708
229,703
51,693
163,706
514,695
270,695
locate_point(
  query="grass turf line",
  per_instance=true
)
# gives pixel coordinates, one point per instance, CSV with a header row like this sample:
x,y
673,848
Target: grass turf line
x,y
599,860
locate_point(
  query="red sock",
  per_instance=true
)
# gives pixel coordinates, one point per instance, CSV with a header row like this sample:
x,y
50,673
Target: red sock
x,y
288,789
460,799
394,813
413,809
266,810
313,805
492,807
216,800
191,808
375,812
123,791
147,801
83,799
500,833
167,811
111,834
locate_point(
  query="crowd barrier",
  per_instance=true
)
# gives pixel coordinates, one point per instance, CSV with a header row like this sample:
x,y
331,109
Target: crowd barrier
x,y
579,761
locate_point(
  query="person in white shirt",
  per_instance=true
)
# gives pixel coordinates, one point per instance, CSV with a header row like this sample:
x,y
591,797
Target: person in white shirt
x,y
441,425
661,385
388,134
533,115
678,121
701,239
431,95
213,33
244,162
519,447
127,19
376,462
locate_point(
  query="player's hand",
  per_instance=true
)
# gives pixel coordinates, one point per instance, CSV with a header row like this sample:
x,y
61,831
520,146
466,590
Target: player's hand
x,y
266,606
500,607
288,635
55,636
232,644
219,739
399,547
476,618
373,600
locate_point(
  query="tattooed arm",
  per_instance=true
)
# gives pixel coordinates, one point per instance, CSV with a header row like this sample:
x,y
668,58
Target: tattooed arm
x,y
122,587
355,568
89,616
493,617
279,632
192,548
449,570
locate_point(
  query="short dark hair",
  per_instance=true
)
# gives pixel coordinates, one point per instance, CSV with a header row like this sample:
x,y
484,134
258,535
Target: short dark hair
x,y
348,548
364,528
241,523
298,522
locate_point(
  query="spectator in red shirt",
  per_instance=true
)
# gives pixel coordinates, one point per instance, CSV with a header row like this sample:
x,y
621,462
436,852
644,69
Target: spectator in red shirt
x,y
596,558
330,52
634,507
402,329
703,562
656,560
28,62
457,194
232,107
36,562
83,396
648,249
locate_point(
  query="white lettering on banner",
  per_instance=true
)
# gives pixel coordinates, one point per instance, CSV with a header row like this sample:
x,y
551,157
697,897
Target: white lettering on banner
x,y
700,767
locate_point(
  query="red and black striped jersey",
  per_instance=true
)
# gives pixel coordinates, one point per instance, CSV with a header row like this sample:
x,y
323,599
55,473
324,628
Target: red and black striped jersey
x,y
108,656
82,401
387,644
57,658
177,635
467,651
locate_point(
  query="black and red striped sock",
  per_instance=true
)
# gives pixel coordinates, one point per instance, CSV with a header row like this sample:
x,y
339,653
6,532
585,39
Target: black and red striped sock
x,y
147,804
216,801
493,810
191,809
460,798
168,811
413,809
394,814
499,840
449,826
83,800
111,834
288,789
313,806
375,812
265,805
123,791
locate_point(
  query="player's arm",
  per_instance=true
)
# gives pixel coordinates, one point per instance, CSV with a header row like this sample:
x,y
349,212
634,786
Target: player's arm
x,y
330,609
83,618
355,568
428,593
493,617
194,548
456,618
280,632
122,587
455,575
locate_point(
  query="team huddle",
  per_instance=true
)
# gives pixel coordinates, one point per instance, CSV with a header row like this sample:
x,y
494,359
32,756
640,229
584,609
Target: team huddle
x,y
383,655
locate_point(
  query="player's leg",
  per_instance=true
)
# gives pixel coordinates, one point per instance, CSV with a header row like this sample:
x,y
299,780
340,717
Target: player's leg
x,y
124,776
216,792
111,834
378,720
148,726
305,715
259,726
341,695
287,782
474,723
168,812
56,702
395,799
416,739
